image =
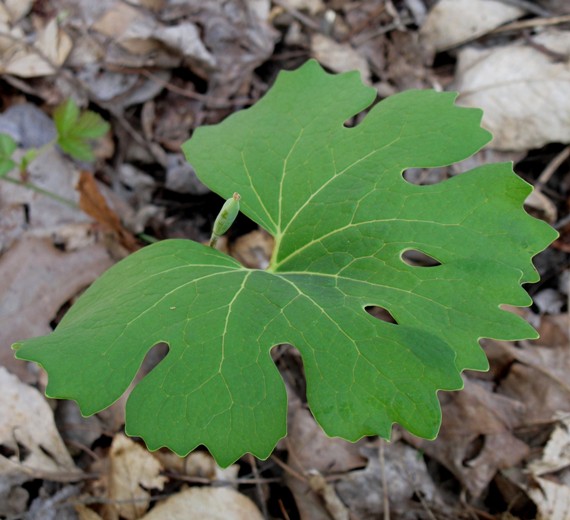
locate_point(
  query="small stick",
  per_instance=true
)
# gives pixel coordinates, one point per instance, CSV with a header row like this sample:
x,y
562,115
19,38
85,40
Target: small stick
x,y
552,166
534,22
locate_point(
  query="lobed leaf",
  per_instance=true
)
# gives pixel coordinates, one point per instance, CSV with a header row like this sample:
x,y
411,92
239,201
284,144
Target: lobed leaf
x,y
342,216
75,130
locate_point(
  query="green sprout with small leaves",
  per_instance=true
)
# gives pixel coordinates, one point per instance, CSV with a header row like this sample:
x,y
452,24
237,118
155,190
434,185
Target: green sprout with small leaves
x,y
76,131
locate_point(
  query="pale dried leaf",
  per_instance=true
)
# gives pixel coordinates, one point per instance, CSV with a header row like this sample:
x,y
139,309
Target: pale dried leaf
x,y
85,513
54,43
205,502
552,500
551,495
185,39
453,22
339,57
4,18
53,46
38,279
311,6
133,471
130,27
556,454
522,89
31,445
17,9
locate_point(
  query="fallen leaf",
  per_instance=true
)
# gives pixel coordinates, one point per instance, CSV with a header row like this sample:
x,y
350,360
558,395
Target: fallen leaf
x,y
522,88
85,513
453,22
207,502
31,447
37,279
92,202
50,50
552,492
471,416
254,249
552,499
405,477
130,27
539,379
17,9
339,57
133,473
311,6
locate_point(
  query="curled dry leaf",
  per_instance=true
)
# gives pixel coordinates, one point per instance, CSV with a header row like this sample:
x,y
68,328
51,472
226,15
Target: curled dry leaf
x,y
31,445
453,22
540,380
551,474
134,472
17,9
92,202
50,50
522,88
339,57
470,415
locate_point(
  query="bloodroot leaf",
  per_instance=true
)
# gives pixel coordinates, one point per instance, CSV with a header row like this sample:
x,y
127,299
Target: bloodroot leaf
x,y
342,216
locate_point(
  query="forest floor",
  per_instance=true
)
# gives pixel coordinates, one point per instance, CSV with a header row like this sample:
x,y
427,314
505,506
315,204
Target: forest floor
x,y
157,70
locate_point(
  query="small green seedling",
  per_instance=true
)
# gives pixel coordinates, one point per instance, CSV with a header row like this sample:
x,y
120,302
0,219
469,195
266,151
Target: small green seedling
x,y
342,216
75,133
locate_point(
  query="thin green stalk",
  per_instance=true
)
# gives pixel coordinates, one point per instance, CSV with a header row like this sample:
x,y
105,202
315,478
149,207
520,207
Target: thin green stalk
x,y
47,193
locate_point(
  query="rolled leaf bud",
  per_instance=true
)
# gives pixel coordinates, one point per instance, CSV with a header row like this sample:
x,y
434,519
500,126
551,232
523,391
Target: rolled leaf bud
x,y
225,218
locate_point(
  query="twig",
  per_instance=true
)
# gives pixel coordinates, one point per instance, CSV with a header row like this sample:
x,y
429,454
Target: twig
x,y
556,56
288,469
551,168
283,510
529,7
385,499
259,490
296,14
530,24
230,482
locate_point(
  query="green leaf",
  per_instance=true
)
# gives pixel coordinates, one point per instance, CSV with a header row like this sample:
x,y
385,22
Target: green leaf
x,y
342,216
90,126
77,148
75,130
7,147
65,117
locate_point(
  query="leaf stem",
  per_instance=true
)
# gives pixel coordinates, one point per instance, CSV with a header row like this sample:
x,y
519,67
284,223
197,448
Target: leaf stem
x,y
47,193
